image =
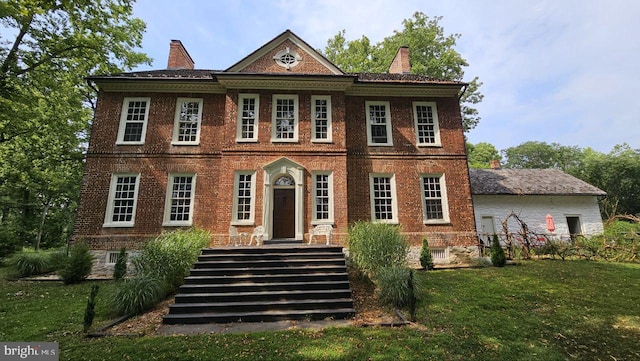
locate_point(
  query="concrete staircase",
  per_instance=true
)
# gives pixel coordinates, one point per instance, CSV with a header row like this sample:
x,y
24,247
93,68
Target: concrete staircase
x,y
264,284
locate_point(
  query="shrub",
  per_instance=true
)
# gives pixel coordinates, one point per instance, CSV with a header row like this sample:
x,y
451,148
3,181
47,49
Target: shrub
x,y
498,257
120,269
588,247
170,256
376,245
395,286
78,265
426,261
136,295
31,263
90,311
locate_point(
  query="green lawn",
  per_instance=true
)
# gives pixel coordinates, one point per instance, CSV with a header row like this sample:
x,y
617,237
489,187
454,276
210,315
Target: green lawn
x,y
539,310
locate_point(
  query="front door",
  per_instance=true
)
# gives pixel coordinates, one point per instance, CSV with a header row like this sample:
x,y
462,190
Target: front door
x,y
284,207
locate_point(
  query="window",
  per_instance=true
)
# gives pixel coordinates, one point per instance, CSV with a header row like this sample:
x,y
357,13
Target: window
x,y
121,205
425,117
434,199
321,119
113,256
322,198
133,121
248,110
244,195
178,210
384,207
285,118
378,124
186,129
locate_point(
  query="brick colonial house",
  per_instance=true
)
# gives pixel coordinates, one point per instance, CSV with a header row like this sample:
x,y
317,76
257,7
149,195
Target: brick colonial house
x,y
282,139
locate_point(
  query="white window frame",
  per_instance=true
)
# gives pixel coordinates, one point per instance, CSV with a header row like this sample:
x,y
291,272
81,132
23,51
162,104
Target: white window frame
x,y
123,121
176,124
436,124
169,199
443,198
236,181
115,255
314,119
387,106
241,98
108,218
394,198
314,218
296,118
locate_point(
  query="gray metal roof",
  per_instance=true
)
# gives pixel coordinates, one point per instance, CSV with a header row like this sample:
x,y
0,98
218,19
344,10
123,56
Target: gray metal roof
x,y
529,182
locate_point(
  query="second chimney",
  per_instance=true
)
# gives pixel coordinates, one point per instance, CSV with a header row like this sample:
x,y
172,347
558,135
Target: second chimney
x,y
401,63
495,164
179,58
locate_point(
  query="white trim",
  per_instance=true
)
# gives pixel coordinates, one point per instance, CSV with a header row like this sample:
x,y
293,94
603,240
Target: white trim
x,y
241,98
443,199
394,198
387,111
274,111
314,138
123,121
252,203
176,122
436,125
108,217
169,198
273,171
314,214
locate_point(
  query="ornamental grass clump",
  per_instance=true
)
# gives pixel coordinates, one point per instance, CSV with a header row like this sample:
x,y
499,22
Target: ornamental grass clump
x,y
29,262
373,246
137,295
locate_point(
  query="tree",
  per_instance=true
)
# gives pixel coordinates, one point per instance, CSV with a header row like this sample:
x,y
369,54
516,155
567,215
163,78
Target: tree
x,y
46,51
432,53
535,154
498,258
480,155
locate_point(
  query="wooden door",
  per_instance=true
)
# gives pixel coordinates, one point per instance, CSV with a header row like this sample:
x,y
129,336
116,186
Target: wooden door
x,y
284,208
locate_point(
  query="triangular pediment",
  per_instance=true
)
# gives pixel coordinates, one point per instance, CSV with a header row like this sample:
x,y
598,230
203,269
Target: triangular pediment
x,y
286,53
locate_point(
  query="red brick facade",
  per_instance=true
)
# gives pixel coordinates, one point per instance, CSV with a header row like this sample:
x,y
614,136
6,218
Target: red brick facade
x,y
219,155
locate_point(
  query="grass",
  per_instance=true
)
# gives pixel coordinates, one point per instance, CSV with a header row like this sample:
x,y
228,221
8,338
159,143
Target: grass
x,y
539,310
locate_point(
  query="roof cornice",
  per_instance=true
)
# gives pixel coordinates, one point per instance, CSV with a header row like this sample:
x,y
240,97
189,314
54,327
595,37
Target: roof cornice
x,y
160,86
404,90
302,82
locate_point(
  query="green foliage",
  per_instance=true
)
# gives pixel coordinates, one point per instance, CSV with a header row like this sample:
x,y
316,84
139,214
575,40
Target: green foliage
x,y
78,265
31,263
480,155
498,257
170,256
90,310
395,286
373,246
621,229
120,268
426,260
137,294
543,155
432,53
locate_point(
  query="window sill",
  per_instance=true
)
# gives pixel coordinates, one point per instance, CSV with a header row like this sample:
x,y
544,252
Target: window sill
x,y
284,141
430,145
129,143
118,225
324,221
177,224
185,143
242,223
322,141
436,222
380,145
243,140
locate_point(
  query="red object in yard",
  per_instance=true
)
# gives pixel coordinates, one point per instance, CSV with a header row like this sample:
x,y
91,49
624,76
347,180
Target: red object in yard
x,y
550,224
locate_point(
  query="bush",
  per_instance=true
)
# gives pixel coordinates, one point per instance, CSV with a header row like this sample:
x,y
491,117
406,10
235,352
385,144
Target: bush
x,y
395,286
90,310
120,269
426,261
376,245
31,263
498,257
78,265
170,256
136,295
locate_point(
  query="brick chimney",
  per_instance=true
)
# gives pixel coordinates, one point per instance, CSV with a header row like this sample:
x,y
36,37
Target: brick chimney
x,y
401,63
495,164
179,58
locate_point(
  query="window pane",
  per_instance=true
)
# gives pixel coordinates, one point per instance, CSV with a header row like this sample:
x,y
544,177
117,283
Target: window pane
x,y
378,123
322,196
188,122
426,124
382,198
285,118
244,197
432,198
248,118
134,121
123,199
321,119
181,198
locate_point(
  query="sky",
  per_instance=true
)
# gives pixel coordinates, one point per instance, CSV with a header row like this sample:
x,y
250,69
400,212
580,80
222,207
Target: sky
x,y
555,71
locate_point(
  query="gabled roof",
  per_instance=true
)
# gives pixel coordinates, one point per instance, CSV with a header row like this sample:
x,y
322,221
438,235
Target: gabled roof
x,y
529,182
278,41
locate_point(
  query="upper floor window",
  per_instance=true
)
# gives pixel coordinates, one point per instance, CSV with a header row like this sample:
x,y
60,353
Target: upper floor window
x,y
133,121
248,110
425,116
384,206
186,129
122,201
378,124
321,118
322,197
179,201
434,199
244,197
285,118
